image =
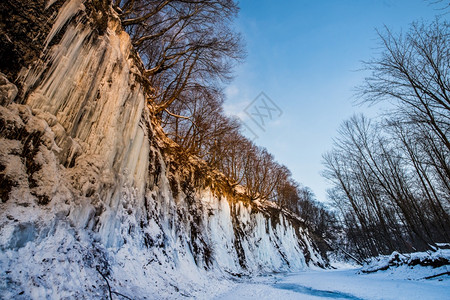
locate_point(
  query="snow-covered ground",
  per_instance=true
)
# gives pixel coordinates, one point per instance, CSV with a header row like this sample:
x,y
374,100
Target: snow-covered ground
x,y
342,284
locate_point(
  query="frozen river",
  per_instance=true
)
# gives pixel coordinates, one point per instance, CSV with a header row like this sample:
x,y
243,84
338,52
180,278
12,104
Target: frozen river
x,y
339,284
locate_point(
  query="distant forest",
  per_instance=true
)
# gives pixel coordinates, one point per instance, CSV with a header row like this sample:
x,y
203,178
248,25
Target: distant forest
x,y
391,175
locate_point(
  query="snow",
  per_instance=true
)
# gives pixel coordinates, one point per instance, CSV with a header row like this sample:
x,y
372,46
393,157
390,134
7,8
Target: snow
x,y
108,216
340,284
424,263
54,250
111,209
399,276
117,213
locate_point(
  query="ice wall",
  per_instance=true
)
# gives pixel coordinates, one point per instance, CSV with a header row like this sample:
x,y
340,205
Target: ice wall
x,y
94,193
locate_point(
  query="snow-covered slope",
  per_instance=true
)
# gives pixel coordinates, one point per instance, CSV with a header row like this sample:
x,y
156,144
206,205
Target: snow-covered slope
x,y
95,199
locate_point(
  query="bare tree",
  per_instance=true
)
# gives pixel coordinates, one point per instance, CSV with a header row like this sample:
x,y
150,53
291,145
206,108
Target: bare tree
x,y
413,73
391,195
183,44
391,178
188,48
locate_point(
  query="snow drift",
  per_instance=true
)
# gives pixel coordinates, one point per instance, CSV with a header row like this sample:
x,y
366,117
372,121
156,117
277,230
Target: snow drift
x,y
95,200
416,265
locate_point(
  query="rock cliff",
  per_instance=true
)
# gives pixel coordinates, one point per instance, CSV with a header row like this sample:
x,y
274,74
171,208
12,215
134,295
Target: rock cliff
x,y
95,199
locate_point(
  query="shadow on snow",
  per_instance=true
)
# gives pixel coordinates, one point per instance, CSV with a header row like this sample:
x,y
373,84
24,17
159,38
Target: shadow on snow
x,y
313,292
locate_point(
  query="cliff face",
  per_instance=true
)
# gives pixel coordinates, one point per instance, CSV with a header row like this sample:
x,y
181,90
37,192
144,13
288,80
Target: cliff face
x,y
92,192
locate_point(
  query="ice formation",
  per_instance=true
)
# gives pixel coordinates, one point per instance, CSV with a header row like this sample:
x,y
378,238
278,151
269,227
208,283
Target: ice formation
x,y
96,200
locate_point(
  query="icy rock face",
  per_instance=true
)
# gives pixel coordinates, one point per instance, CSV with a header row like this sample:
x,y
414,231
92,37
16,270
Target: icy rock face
x,y
8,91
93,193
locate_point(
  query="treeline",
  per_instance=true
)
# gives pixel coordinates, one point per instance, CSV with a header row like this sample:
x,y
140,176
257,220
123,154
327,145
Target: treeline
x,y
189,49
392,175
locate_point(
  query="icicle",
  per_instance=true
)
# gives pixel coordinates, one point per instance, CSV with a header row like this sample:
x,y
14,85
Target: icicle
x,y
67,11
49,3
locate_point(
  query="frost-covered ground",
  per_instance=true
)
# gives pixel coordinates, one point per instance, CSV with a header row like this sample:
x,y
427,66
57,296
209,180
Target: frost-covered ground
x,y
343,284
420,275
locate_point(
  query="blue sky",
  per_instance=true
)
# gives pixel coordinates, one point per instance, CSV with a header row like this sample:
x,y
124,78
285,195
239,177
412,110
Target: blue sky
x,y
305,56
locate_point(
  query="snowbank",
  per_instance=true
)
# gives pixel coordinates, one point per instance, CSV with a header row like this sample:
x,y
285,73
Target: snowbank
x,y
417,265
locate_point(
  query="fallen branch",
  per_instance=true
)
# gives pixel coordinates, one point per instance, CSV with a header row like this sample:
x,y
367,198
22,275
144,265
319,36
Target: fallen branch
x,y
437,275
109,287
107,282
119,294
